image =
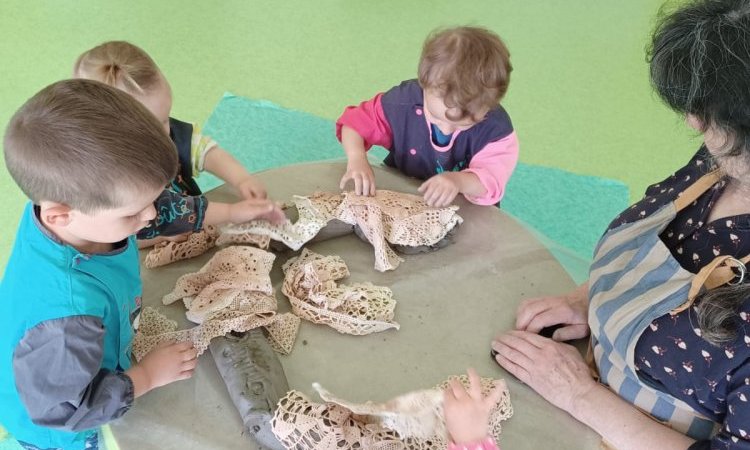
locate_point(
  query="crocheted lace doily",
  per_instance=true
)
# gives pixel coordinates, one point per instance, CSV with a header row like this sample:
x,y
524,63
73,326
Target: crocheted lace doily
x,y
413,421
231,292
359,308
387,218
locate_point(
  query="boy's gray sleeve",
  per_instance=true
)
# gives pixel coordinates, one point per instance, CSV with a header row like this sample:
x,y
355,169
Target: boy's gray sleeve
x,y
57,368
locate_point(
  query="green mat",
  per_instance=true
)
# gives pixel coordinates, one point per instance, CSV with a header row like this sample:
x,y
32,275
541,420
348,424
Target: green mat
x,y
568,211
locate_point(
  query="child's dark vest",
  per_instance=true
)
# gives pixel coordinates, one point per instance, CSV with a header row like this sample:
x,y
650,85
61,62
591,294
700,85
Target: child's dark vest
x,y
412,152
182,136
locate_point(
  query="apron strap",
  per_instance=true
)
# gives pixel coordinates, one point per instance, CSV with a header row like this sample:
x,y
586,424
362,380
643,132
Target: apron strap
x,y
717,273
695,190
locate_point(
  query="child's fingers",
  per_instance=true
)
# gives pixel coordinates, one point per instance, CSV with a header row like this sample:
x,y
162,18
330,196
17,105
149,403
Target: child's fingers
x,y
185,375
365,185
259,193
372,186
182,346
494,396
345,179
445,200
457,388
189,364
475,385
189,354
429,195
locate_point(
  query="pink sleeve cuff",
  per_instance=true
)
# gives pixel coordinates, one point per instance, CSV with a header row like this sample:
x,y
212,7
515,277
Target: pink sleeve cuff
x,y
486,444
368,120
494,165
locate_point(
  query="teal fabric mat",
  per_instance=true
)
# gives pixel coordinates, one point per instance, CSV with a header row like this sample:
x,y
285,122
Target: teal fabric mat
x,y
567,211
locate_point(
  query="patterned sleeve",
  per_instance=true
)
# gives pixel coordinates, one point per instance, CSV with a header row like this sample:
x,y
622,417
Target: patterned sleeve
x,y
369,121
176,214
200,145
735,431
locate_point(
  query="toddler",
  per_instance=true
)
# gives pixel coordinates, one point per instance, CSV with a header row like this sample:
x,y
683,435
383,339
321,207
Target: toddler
x,y
446,127
129,68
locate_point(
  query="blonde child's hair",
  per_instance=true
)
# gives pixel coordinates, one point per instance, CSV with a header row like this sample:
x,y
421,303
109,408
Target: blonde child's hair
x,y
470,68
87,145
119,64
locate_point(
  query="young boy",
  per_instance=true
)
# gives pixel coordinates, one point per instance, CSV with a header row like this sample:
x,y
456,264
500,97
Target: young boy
x,y
446,127
92,160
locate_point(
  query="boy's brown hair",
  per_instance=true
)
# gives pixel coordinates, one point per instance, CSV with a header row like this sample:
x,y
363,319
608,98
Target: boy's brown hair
x,y
87,145
119,64
470,68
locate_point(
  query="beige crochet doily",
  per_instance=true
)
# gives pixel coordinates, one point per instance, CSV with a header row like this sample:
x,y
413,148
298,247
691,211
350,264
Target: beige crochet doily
x,y
231,292
197,244
310,284
232,269
413,421
155,328
388,217
396,218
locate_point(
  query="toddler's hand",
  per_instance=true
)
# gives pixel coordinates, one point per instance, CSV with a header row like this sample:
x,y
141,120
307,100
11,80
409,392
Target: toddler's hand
x,y
440,190
166,363
359,170
250,187
253,209
467,413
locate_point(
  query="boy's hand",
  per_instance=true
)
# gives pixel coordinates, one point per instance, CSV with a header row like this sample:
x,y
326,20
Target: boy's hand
x,y
466,413
440,190
250,187
252,209
166,363
359,170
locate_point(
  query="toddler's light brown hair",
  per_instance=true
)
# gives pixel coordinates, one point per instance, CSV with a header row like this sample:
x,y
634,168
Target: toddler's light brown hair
x,y
469,67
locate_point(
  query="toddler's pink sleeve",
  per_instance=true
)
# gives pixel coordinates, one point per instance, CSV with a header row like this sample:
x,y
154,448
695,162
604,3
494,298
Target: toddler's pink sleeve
x,y
486,444
494,165
368,120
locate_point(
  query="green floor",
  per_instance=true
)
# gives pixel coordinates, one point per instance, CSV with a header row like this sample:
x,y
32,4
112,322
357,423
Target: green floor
x,y
579,97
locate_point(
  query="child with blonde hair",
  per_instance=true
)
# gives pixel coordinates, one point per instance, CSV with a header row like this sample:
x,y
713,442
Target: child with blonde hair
x,y
128,68
446,127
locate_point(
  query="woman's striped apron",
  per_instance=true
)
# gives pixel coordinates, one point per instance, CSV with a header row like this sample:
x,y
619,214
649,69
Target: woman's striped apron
x,y
634,279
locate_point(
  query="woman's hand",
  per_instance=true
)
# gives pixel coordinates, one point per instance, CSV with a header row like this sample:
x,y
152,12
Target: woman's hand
x,y
554,370
570,311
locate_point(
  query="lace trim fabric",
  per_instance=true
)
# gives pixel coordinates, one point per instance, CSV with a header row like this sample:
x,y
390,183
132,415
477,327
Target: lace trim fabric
x,y
310,283
387,218
413,421
231,292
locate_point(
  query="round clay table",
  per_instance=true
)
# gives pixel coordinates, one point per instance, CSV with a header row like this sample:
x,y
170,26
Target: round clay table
x,y
450,303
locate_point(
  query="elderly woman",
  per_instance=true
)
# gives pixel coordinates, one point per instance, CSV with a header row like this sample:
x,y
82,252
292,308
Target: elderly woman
x,y
667,303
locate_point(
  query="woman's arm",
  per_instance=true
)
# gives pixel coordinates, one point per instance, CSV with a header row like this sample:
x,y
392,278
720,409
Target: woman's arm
x,y
559,374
